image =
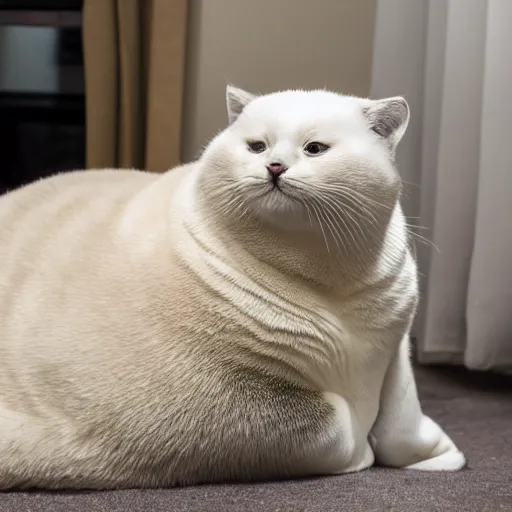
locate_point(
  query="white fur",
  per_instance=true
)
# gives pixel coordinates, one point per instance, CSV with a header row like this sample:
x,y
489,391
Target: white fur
x,y
359,355
205,325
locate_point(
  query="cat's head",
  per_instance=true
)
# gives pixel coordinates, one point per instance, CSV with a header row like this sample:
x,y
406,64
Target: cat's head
x,y
306,158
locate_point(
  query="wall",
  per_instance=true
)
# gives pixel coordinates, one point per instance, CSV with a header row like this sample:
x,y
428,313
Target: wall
x,y
267,45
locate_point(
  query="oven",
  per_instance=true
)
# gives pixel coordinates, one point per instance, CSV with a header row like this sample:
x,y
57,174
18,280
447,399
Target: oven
x,y
42,92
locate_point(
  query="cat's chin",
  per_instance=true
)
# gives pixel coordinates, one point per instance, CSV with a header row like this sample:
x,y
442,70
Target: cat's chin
x,y
279,209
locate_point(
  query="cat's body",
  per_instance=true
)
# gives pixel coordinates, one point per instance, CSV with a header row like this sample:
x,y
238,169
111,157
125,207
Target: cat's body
x,y
177,329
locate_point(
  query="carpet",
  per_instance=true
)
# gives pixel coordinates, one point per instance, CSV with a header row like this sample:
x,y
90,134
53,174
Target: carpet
x,y
475,409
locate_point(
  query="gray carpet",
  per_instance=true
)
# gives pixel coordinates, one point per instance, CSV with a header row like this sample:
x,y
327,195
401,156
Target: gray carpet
x,y
475,409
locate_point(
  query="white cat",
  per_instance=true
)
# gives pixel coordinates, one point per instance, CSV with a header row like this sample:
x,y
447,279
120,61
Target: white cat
x,y
242,317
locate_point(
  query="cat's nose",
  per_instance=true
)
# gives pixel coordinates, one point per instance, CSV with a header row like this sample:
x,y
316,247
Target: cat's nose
x,y
276,168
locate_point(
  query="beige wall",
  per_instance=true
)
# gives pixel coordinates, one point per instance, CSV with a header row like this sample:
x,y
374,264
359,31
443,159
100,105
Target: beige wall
x,y
266,45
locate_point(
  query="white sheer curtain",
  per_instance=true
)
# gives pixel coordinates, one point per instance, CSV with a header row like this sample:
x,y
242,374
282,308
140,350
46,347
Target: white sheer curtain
x,y
452,60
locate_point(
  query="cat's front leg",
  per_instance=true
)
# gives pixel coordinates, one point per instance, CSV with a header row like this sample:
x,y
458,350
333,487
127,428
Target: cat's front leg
x,y
402,435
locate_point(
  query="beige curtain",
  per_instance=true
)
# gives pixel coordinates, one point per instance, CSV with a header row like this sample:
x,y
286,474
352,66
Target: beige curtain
x,y
452,60
134,65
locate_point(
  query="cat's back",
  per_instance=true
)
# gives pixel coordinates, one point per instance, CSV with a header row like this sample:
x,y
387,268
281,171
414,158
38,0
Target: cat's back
x,y
55,234
53,201
53,216
68,278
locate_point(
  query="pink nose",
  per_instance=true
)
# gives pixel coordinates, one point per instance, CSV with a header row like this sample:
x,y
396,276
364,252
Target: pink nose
x,y
276,168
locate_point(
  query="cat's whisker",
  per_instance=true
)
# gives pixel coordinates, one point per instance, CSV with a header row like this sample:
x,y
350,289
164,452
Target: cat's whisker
x,y
356,224
353,195
321,226
362,198
414,226
324,200
358,203
241,209
328,225
325,190
339,230
362,215
231,202
411,184
231,199
356,217
346,209
424,240
344,189
333,229
308,210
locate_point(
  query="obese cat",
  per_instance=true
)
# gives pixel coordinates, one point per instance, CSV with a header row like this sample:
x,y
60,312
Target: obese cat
x,y
242,317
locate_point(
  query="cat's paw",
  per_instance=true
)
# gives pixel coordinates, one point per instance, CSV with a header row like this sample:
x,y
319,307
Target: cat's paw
x,y
452,460
425,447
444,456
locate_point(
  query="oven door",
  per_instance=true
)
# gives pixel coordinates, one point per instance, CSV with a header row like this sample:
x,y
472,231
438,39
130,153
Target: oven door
x,y
42,101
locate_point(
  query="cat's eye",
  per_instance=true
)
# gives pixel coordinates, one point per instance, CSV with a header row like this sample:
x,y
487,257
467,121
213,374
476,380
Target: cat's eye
x,y
315,148
256,146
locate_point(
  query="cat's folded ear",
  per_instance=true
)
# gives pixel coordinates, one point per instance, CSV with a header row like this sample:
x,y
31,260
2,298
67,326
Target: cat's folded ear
x,y
237,100
388,118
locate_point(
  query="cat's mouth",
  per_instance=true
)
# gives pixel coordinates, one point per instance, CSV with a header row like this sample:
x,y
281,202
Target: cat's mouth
x,y
276,187
275,180
279,188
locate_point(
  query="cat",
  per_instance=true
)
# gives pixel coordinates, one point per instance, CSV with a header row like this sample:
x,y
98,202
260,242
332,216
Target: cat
x,y
243,317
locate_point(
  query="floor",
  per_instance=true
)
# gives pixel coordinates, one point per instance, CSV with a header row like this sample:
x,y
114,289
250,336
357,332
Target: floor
x,y
476,409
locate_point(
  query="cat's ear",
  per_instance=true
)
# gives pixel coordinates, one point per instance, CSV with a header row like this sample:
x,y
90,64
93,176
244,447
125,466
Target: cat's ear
x,y
237,100
388,118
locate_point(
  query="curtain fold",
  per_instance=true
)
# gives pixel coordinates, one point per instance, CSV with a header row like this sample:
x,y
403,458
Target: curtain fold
x,y
489,305
447,57
134,52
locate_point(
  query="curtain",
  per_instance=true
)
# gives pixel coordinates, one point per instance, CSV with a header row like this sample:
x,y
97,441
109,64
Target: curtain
x,y
134,66
452,60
